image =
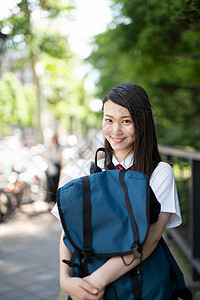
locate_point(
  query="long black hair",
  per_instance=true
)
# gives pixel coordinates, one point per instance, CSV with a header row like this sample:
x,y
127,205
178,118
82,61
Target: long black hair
x,y
135,99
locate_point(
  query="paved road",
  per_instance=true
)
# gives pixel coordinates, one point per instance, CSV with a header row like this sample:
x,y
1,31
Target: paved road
x,y
29,243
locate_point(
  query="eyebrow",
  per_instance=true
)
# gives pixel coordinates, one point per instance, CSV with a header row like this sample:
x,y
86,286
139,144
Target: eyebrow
x,y
113,116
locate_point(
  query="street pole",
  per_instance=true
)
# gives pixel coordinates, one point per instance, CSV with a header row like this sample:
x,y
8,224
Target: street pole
x,y
3,38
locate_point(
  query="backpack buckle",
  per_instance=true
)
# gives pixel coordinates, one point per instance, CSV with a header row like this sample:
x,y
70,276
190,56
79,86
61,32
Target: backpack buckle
x,y
136,251
87,253
70,264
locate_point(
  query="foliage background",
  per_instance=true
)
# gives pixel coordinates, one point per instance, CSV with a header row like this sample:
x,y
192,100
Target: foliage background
x,y
153,43
156,45
38,81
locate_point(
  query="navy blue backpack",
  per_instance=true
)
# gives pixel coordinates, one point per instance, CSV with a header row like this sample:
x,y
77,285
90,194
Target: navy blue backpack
x,y
108,214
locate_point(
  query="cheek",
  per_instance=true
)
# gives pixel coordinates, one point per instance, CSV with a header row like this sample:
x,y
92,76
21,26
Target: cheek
x,y
131,131
106,128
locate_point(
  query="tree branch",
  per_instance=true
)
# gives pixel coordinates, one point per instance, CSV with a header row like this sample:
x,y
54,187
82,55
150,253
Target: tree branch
x,y
188,55
171,87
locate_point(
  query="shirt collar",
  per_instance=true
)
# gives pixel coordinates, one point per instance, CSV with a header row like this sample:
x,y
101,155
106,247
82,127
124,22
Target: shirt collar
x,y
126,163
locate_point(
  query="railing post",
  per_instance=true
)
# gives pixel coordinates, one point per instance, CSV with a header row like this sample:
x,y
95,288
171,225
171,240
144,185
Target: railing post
x,y
195,215
191,248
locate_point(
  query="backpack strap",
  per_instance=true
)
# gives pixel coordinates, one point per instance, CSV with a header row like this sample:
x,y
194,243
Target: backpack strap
x,y
87,228
154,207
181,291
136,281
71,263
109,164
136,247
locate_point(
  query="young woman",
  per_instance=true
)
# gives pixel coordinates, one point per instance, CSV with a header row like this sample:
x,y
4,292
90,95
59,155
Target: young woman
x,y
130,137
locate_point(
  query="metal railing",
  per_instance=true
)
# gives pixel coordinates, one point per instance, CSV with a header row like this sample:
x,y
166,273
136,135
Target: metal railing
x,y
187,171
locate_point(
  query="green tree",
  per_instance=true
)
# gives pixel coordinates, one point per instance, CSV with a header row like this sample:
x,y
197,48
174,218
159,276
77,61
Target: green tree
x,y
67,98
17,104
156,44
27,37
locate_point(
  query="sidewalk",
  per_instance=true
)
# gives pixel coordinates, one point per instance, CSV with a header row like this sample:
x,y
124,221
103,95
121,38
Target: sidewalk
x,y
29,246
29,251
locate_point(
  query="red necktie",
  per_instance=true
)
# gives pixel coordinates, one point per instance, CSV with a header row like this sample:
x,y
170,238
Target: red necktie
x,y
120,167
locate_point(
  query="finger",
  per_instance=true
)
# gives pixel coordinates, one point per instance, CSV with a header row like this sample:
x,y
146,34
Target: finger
x,y
84,295
89,287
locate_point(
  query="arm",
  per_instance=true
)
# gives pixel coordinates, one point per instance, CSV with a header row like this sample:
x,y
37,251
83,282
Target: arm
x,y
77,288
114,268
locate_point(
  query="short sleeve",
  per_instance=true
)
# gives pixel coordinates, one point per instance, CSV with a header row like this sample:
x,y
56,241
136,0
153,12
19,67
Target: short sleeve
x,y
163,185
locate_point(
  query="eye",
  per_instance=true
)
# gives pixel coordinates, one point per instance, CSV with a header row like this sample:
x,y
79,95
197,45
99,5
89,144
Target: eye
x,y
127,121
108,120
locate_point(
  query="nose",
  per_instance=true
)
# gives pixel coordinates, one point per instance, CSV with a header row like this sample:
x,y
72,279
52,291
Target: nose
x,y
117,128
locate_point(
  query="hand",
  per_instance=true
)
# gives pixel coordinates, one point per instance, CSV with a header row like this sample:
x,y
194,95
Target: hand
x,y
80,289
95,281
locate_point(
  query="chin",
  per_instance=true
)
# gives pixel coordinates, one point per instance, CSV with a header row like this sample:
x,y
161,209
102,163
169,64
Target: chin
x,y
118,148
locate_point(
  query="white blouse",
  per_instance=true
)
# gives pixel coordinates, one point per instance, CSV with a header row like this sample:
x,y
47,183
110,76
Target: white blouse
x,y
162,183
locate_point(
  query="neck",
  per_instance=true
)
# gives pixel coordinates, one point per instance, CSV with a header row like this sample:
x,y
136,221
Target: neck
x,y
121,156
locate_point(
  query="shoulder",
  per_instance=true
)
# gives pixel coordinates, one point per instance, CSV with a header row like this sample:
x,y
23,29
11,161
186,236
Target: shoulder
x,y
162,177
163,184
162,171
75,170
163,166
162,181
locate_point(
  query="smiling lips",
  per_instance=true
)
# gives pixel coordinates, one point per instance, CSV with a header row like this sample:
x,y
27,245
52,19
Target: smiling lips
x,y
116,140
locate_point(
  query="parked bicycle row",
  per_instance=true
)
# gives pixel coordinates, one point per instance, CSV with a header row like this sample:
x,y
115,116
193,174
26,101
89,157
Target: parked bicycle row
x,y
22,175
30,171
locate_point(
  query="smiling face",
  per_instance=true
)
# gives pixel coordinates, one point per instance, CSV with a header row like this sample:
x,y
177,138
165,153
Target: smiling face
x,y
118,128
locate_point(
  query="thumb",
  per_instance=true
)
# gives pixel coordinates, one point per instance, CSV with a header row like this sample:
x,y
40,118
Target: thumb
x,y
89,287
